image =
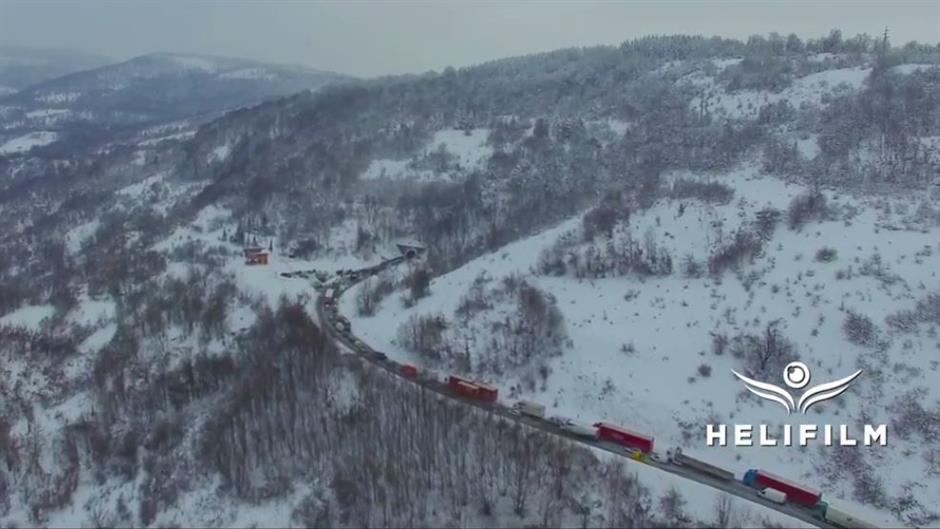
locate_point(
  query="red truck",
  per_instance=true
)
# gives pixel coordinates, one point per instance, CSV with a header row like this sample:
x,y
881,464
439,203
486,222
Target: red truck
x,y
622,436
795,493
486,392
474,390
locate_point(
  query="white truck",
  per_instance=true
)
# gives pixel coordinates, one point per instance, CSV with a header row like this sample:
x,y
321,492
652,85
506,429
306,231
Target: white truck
x,y
532,409
773,495
678,457
572,427
841,518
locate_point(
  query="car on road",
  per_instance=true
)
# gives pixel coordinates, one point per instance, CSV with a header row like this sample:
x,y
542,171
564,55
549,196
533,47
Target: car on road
x,y
379,355
773,495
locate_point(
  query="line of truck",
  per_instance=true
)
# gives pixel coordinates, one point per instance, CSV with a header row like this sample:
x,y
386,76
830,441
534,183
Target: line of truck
x,y
639,446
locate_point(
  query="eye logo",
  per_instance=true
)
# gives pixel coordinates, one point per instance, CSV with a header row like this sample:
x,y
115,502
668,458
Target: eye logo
x,y
796,375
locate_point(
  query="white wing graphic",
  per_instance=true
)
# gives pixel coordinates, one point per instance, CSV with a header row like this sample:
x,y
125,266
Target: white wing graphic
x,y
767,391
826,391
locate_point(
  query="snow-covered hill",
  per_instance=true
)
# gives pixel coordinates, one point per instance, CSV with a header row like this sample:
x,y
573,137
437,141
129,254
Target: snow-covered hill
x,y
643,351
610,231
155,88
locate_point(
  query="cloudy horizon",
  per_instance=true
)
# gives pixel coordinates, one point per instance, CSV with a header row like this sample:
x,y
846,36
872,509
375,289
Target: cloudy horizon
x,y
370,39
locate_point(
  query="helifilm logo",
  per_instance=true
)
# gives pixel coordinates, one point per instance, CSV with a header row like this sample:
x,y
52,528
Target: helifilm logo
x,y
796,375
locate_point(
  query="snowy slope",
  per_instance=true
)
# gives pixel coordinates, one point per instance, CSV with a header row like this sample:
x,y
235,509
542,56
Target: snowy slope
x,y
808,90
30,317
667,325
467,151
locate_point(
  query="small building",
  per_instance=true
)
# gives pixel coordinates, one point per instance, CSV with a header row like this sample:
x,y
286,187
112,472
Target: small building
x,y
256,256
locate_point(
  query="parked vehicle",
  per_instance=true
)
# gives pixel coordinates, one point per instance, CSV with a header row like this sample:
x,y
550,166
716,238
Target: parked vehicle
x,y
379,355
532,409
773,495
409,370
678,457
580,430
622,436
799,494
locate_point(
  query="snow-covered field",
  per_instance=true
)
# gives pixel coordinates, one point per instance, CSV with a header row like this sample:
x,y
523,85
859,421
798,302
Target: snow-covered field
x,y
646,338
30,317
248,73
468,149
808,90
176,136
28,141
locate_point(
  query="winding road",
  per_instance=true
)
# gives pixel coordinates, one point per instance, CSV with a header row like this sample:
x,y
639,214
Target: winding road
x,y
327,315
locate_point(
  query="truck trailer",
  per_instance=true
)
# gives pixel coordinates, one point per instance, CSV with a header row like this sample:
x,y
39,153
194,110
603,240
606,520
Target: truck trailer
x,y
680,458
469,388
622,436
842,518
532,409
795,493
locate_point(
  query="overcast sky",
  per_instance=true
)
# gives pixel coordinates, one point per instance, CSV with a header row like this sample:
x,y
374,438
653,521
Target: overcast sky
x,y
369,38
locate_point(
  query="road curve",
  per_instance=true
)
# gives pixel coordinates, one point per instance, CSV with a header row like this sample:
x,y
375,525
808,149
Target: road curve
x,y
734,487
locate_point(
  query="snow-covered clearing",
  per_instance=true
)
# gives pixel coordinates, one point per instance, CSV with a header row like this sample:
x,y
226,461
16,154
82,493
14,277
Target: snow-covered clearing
x,y
809,146
468,149
156,193
248,73
806,90
178,136
59,97
47,112
394,170
136,190
908,69
220,153
79,234
721,64
28,141
190,62
29,317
